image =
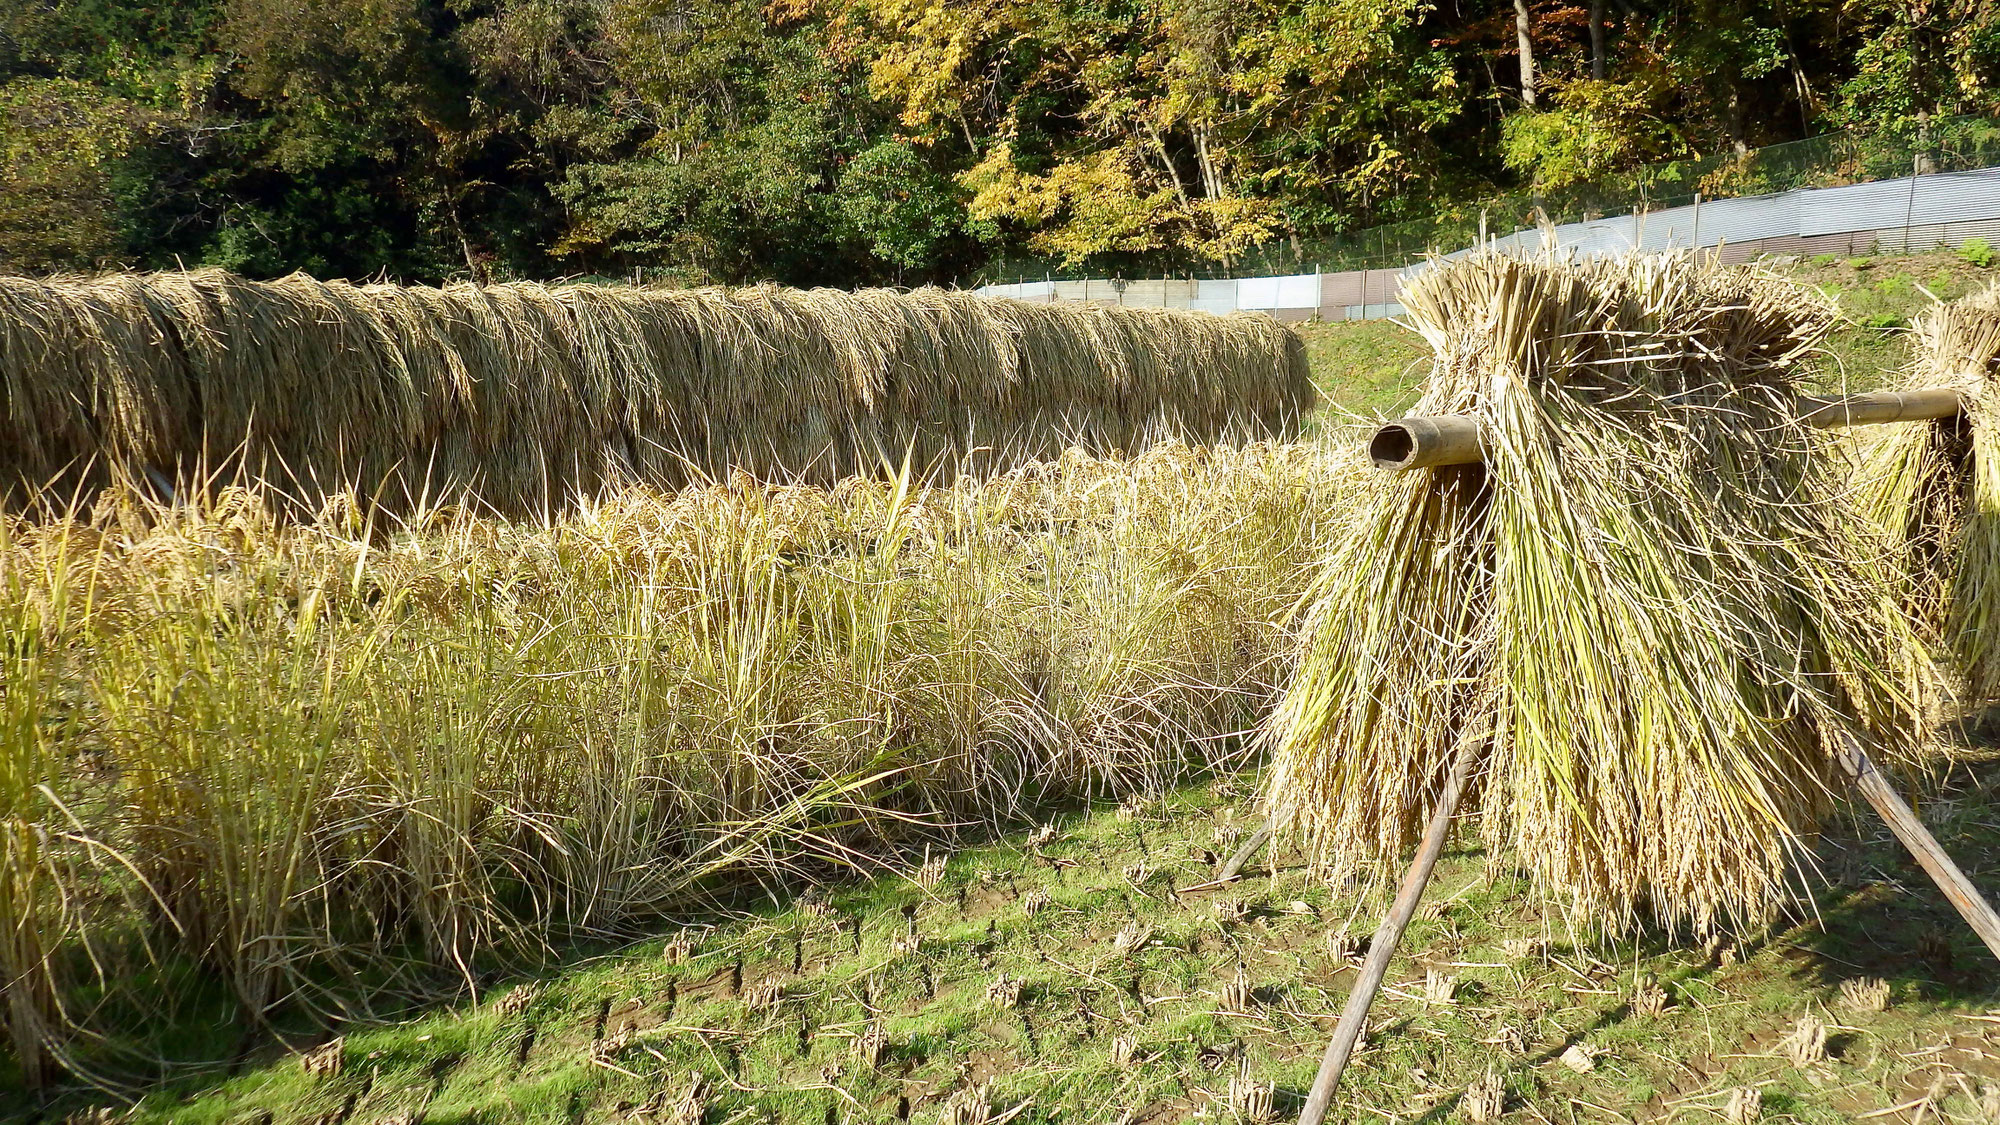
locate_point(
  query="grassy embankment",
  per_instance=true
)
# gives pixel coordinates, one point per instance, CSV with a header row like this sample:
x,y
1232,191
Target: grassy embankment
x,y
1131,1005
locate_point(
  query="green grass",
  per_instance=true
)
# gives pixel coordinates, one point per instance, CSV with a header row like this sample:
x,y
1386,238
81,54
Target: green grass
x,y
1366,366
618,1031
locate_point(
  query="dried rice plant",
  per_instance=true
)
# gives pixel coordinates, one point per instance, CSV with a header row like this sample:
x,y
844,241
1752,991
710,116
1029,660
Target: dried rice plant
x,y
1643,607
527,399
1485,1099
1805,1044
290,757
1864,994
1934,489
1251,1101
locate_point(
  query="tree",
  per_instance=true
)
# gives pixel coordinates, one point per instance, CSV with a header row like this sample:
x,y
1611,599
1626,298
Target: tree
x,y
61,141
905,211
1526,47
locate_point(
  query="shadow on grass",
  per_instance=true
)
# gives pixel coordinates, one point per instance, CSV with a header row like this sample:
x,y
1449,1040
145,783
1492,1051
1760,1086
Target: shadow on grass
x,y
193,1038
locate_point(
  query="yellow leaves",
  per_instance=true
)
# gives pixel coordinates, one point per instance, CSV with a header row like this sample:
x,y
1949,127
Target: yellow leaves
x,y
1107,202
1229,226
1001,191
784,13
1144,125
1377,172
1090,205
917,50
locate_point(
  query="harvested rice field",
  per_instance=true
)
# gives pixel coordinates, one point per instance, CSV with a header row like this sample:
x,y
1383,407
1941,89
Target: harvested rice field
x,y
1067,972
876,748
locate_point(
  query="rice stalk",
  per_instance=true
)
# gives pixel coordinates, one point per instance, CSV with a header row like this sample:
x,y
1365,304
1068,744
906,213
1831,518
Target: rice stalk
x,y
408,750
528,399
1934,490
1643,603
34,924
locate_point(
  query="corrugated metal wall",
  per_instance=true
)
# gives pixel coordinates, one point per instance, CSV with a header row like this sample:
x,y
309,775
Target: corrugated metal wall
x,y
1889,216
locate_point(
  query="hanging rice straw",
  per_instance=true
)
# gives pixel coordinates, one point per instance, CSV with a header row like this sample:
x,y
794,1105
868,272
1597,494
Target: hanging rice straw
x,y
1641,605
527,399
1935,489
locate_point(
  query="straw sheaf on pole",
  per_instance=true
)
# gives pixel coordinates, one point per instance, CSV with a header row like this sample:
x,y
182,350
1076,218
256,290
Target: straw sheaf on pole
x,y
523,398
1642,606
1934,490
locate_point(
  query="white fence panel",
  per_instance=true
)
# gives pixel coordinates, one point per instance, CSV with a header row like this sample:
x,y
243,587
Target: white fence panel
x,y
1215,296
1838,210
1599,237
1296,291
1666,229
1748,220
1956,195
1913,213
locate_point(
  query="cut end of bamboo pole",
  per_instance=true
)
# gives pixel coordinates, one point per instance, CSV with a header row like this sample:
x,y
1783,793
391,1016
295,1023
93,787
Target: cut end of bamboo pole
x,y
1418,443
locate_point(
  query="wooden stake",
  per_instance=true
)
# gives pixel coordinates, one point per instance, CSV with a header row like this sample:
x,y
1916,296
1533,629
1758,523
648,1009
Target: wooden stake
x,y
1257,839
1977,912
1382,947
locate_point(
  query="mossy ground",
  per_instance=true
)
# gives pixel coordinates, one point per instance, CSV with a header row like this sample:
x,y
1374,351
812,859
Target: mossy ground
x,y
770,1002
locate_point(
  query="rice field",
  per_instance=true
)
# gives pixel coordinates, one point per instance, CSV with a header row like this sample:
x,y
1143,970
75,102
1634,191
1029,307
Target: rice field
x,y
333,762
710,595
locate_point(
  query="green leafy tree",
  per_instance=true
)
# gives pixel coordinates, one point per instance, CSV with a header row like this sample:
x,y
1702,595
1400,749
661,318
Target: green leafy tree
x,y
60,145
1593,129
905,211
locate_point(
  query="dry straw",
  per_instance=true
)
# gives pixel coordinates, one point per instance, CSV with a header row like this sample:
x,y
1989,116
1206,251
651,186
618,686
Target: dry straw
x,y
528,398
1935,488
1642,605
325,764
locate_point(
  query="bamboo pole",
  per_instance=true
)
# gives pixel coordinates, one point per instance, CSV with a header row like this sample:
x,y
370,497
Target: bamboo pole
x,y
1879,407
1454,439
1233,870
1874,788
1354,1016
1936,862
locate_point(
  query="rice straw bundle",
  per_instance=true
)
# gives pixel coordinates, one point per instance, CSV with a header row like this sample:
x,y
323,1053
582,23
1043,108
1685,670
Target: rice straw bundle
x,y
1935,489
527,398
1642,607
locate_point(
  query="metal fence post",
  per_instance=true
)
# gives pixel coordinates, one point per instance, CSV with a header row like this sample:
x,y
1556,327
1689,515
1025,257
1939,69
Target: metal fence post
x,y
1910,208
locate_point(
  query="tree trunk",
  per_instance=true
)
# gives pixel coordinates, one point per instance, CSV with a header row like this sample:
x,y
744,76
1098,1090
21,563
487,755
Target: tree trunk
x,y
1166,160
1597,40
1527,52
1211,183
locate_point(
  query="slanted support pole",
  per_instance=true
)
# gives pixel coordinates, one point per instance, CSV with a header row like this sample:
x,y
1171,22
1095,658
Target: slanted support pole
x,y
1257,840
1902,821
1233,870
1354,1016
